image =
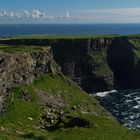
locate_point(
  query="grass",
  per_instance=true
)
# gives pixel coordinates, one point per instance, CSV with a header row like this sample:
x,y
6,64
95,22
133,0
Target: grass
x,y
64,36
15,124
136,49
99,58
20,48
67,89
133,35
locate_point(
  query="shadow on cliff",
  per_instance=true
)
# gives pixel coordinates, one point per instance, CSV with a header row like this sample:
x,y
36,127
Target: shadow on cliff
x,y
121,60
71,55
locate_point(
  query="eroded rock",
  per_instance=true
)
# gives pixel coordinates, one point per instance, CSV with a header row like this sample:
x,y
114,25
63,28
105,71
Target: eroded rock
x,y
22,68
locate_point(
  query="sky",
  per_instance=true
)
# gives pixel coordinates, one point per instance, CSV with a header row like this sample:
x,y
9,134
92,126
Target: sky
x,y
69,11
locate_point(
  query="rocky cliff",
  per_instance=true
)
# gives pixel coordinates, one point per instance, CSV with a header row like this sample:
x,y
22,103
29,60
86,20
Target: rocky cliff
x,y
96,64
23,67
85,61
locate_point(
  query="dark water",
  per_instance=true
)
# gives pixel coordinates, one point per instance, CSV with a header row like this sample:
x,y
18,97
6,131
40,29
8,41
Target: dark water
x,y
124,105
68,29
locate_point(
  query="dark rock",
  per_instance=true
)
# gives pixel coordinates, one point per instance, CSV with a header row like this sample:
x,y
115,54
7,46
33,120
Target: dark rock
x,y
25,95
76,122
67,121
73,108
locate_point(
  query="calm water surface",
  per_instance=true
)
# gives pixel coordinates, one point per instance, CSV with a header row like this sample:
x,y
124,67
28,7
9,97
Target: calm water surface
x,y
68,29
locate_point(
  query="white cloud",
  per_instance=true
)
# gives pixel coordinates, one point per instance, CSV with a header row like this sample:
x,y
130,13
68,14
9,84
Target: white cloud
x,y
123,15
26,14
3,13
36,14
33,14
110,15
9,14
67,14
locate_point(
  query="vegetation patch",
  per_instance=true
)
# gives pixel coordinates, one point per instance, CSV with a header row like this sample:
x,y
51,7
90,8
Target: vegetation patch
x,y
99,58
20,48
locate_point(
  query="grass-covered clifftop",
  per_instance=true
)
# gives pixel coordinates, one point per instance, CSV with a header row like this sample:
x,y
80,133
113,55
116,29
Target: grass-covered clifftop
x,y
25,115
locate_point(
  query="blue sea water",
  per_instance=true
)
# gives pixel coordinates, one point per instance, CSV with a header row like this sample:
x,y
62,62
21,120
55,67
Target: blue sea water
x,y
124,105
68,29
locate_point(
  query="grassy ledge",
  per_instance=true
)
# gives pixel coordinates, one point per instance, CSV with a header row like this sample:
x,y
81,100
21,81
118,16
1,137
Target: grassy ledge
x,y
20,48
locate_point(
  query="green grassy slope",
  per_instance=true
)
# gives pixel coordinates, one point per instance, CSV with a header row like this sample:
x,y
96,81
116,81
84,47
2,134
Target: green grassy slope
x,y
64,36
22,119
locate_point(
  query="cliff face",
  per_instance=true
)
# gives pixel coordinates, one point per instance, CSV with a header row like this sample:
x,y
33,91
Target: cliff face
x,y
123,59
96,64
100,64
22,68
85,61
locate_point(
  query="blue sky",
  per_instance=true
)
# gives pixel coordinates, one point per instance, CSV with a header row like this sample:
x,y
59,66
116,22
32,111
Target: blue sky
x,y
70,11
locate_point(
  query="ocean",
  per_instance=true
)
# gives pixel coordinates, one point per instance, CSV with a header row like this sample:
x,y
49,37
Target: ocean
x,y
124,105
68,29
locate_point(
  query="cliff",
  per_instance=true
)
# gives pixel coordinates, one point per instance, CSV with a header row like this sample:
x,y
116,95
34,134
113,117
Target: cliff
x,y
99,64
22,68
96,64
85,63
84,60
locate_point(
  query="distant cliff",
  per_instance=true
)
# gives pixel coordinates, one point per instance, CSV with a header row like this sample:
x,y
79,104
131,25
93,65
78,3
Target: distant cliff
x,y
100,64
96,64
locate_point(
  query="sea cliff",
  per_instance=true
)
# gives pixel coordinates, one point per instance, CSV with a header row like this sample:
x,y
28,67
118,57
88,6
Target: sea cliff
x,y
96,64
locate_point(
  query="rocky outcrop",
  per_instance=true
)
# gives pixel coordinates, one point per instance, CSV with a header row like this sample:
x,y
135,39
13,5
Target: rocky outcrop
x,y
18,68
23,67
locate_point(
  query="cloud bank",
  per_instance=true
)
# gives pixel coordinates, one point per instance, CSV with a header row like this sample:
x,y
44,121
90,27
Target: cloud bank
x,y
124,15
